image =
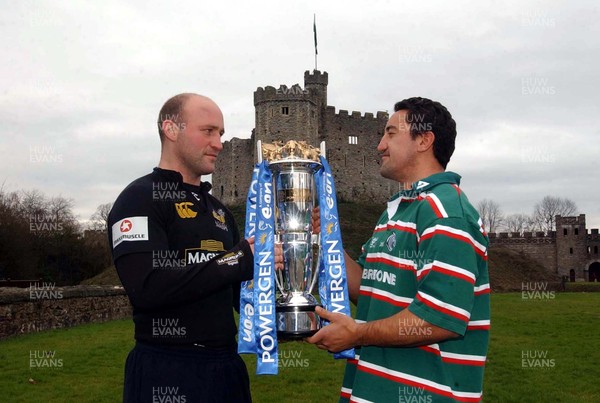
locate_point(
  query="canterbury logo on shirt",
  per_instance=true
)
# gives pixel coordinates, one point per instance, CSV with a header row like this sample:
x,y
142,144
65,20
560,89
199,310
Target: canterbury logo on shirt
x,y
184,210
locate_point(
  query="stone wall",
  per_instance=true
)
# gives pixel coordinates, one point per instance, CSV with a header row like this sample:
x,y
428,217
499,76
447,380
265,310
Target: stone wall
x,y
352,154
233,171
537,246
44,307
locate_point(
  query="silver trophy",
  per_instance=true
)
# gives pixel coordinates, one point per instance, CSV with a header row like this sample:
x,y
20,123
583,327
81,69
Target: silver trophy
x,y
293,166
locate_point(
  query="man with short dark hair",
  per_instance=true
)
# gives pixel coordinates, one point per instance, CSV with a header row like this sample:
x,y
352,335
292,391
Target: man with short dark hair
x,y
421,283
179,255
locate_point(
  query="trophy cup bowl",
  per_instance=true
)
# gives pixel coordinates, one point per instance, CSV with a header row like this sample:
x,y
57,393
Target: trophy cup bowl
x,y
293,166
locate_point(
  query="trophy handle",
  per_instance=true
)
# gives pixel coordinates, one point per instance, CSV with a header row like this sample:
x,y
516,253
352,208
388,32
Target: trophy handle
x,y
279,273
316,245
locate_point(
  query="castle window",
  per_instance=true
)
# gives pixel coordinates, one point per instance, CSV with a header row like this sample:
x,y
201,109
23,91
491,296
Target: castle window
x,y
596,250
570,251
576,231
352,140
285,110
565,231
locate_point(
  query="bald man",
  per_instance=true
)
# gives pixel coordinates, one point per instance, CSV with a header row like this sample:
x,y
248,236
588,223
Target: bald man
x,y
179,255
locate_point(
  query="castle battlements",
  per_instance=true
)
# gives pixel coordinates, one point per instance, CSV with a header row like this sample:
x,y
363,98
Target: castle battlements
x,y
344,114
316,77
283,94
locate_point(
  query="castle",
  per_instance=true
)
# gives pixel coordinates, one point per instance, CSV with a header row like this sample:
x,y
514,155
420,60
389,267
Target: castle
x,y
297,113
569,251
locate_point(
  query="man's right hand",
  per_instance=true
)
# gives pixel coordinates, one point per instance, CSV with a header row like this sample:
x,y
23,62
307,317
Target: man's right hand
x,y
278,253
315,220
251,243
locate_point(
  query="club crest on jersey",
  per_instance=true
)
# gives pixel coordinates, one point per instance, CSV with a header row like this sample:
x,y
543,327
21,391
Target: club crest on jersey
x,y
390,242
219,217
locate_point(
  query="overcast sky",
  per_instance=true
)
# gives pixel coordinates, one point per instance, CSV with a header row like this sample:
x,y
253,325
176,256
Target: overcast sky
x,y
82,84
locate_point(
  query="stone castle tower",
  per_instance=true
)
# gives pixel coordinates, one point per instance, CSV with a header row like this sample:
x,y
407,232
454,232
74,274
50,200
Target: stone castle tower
x,y
297,113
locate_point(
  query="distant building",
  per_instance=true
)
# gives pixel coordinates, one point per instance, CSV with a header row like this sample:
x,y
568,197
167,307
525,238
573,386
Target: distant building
x,y
569,251
297,113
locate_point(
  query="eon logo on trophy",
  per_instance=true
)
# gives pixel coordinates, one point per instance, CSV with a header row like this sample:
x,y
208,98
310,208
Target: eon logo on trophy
x,y
294,165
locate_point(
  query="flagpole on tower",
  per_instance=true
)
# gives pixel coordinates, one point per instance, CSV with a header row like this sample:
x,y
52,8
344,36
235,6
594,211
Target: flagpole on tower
x,y
315,32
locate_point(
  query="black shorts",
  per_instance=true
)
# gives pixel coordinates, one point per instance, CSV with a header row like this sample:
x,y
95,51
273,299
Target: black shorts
x,y
185,375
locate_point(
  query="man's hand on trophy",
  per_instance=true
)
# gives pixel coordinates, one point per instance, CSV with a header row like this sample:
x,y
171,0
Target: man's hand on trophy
x,y
341,334
251,243
316,220
278,256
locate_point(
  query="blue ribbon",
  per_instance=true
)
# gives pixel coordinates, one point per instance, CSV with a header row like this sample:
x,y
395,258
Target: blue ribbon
x,y
264,275
333,284
246,339
257,329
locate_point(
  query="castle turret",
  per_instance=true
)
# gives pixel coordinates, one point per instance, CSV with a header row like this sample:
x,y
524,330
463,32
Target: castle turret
x,y
316,82
571,245
287,114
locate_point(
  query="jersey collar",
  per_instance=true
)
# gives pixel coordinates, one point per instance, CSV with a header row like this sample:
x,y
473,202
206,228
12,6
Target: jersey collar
x,y
428,183
433,180
176,177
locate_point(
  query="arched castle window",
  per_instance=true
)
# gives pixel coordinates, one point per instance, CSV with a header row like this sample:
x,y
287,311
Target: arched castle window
x,y
565,231
570,251
352,139
285,110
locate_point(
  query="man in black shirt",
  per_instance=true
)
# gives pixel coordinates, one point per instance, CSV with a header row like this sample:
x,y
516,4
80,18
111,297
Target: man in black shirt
x,y
179,255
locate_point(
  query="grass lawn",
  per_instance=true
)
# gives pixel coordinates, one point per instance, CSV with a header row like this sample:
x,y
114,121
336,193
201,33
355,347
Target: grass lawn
x,y
543,349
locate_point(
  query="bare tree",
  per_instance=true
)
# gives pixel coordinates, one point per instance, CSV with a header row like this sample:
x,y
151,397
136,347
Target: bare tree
x,y
546,210
490,214
99,220
518,223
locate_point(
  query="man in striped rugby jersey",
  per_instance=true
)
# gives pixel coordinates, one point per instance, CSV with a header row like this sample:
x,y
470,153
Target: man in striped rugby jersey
x,y
421,284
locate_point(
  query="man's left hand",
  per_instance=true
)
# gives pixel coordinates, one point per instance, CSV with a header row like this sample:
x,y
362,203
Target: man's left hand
x,y
341,334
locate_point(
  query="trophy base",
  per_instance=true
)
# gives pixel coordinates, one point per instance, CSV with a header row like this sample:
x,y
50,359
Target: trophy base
x,y
295,322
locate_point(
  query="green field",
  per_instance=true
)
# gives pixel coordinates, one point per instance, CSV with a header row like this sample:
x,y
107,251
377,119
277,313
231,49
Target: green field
x,y
544,349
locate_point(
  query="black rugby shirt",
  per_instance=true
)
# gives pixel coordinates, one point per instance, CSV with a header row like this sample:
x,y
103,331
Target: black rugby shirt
x,y
178,253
